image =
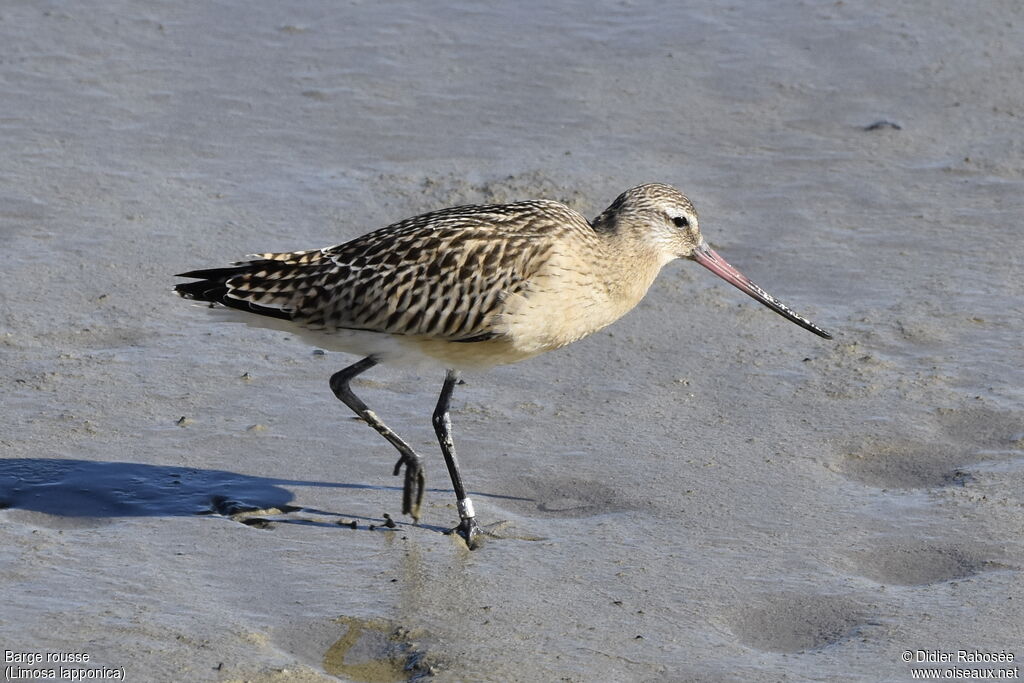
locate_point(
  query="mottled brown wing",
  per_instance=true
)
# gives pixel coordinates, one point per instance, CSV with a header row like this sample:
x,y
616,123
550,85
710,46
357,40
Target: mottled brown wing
x,y
443,274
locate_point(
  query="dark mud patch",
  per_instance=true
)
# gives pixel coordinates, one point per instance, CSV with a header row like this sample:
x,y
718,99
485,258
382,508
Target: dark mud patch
x,y
376,651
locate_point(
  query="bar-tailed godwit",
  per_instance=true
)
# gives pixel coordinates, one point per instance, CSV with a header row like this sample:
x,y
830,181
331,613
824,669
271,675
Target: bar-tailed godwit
x,y
469,287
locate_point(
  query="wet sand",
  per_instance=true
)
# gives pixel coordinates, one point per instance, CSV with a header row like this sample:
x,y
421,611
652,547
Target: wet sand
x,y
702,492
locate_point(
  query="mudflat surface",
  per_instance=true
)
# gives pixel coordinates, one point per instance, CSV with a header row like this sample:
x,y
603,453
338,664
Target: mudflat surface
x,y
702,492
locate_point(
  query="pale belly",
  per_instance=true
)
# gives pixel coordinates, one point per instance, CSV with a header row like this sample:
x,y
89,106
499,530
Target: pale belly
x,y
393,349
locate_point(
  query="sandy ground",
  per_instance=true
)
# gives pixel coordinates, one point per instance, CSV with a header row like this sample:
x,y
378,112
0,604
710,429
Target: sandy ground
x,y
703,492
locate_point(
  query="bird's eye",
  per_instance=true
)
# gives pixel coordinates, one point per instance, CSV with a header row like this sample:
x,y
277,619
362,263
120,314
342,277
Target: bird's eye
x,y
681,221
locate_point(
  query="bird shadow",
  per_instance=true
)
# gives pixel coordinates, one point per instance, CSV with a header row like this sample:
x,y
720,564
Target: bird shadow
x,y
87,489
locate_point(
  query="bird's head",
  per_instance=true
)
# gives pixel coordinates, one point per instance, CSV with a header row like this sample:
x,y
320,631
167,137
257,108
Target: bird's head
x,y
658,216
663,219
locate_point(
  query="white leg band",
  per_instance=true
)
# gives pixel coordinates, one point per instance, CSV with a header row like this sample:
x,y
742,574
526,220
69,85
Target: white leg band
x,y
466,510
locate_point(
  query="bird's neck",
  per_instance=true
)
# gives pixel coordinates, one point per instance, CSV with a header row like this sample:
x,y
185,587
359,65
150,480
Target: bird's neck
x,y
634,263
635,256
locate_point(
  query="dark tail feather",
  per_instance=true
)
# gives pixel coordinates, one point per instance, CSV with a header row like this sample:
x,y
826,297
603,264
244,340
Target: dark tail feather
x,y
221,273
211,285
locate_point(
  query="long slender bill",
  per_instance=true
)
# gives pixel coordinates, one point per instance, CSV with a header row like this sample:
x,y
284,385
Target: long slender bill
x,y
707,257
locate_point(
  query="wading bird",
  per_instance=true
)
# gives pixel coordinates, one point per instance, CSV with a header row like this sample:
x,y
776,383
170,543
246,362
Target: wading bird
x,y
469,287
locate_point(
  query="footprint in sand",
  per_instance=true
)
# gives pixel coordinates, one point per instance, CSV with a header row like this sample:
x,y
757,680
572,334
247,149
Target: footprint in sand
x,y
792,622
916,563
901,464
565,497
967,437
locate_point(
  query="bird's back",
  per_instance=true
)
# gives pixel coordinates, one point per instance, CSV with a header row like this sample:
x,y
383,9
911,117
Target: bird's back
x,y
442,275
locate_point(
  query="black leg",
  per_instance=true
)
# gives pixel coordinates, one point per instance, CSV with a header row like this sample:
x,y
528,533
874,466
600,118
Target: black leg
x,y
467,528
415,480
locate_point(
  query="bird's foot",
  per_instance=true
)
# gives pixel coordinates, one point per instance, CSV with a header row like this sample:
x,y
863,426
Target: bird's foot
x,y
415,484
469,531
